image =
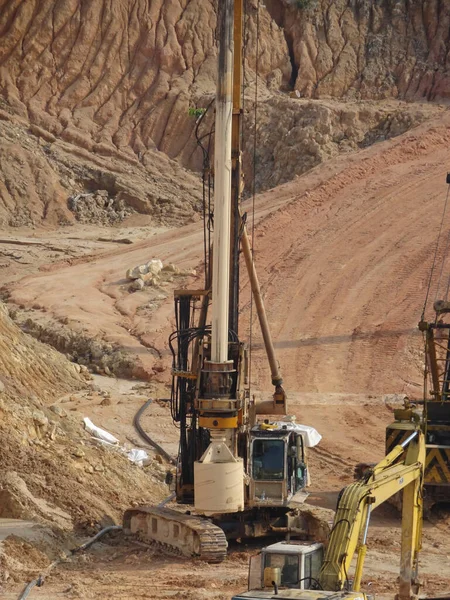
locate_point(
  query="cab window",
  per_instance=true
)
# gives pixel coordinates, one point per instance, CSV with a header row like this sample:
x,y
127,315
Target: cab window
x,y
288,564
268,459
313,563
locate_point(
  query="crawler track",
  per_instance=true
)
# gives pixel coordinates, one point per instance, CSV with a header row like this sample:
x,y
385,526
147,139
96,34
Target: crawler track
x,y
186,534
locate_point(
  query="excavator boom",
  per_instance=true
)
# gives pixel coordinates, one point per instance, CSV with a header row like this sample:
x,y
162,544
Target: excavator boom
x,y
349,532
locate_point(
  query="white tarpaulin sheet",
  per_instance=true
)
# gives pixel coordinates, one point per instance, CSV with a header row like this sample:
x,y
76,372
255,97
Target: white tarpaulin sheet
x,y
311,436
98,432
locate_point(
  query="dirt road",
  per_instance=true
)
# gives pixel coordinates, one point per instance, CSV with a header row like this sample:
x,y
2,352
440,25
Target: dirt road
x,y
343,255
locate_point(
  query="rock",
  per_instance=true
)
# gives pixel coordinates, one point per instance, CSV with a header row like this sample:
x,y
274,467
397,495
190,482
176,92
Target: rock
x,y
171,268
2,387
106,401
136,272
52,433
145,272
154,266
79,453
40,419
185,272
137,285
58,410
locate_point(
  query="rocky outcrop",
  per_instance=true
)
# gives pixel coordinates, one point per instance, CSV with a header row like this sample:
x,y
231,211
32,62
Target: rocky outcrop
x,y
366,49
117,75
295,135
39,179
106,87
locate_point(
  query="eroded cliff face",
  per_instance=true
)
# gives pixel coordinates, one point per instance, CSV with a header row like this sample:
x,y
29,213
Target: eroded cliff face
x,y
368,48
116,74
103,90
111,80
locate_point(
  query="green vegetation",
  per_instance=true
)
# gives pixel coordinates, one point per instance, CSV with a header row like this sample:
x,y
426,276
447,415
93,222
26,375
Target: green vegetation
x,y
196,112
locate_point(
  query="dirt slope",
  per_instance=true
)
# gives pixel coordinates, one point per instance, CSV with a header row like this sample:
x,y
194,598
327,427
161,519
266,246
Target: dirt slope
x,y
52,474
346,266
343,261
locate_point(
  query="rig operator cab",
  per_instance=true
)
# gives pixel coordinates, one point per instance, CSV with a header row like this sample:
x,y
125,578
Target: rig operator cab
x,y
277,464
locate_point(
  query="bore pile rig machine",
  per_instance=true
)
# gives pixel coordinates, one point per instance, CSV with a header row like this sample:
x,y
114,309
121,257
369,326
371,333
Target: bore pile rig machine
x,y
240,475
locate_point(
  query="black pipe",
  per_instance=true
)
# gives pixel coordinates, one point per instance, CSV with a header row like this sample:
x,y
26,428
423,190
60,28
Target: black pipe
x,y
146,437
36,582
39,582
96,537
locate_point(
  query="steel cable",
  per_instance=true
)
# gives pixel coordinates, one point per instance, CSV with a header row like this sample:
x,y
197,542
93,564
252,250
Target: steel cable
x,y
435,256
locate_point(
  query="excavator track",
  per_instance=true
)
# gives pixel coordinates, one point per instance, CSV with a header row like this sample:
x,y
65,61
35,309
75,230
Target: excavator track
x,y
185,534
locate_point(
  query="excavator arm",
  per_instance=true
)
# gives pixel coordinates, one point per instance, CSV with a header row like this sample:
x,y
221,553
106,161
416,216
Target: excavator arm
x,y
355,504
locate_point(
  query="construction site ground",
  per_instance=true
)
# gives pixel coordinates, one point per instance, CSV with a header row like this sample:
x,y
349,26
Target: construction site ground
x,y
343,255
121,568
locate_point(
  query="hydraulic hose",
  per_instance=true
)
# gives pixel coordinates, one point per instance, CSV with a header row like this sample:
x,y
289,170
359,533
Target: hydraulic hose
x,y
36,582
96,537
146,437
39,582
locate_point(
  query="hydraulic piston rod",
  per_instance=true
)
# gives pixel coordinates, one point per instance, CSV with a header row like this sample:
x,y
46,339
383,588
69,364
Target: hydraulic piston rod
x,y
277,380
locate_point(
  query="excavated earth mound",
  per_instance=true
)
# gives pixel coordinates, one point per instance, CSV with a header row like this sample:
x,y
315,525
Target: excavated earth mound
x,y
52,473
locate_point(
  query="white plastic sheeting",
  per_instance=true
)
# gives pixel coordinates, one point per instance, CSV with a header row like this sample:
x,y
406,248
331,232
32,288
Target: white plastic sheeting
x,y
137,456
311,436
99,433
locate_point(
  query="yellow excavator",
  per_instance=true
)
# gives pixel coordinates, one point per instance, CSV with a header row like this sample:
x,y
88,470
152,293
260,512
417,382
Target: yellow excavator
x,y
307,571
243,473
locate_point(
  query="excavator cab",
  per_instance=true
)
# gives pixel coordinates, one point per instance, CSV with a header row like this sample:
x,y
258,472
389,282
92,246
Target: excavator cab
x,y
291,565
277,464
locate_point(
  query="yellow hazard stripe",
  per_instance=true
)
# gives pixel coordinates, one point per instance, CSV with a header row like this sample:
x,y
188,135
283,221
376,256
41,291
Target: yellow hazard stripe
x,y
437,465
